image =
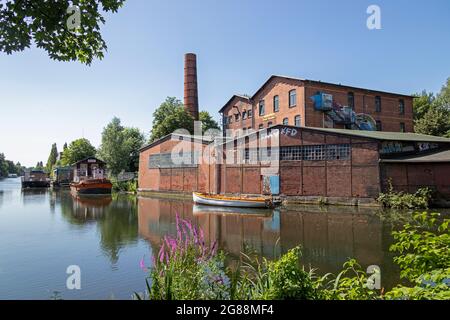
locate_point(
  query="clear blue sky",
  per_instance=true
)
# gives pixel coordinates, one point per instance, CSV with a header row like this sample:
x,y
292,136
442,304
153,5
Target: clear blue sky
x,y
239,44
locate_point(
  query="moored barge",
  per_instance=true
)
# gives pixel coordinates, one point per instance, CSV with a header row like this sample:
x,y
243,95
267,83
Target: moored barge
x,y
90,178
35,179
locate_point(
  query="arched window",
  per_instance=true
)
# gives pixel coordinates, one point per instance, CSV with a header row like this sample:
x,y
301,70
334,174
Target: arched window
x,y
286,121
261,108
292,98
276,104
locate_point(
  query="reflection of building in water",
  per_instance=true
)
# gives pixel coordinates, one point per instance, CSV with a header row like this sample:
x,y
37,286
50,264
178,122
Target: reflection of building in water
x,y
234,231
328,238
34,196
90,208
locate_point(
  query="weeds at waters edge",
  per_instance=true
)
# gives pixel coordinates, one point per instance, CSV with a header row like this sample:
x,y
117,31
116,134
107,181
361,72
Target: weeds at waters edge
x,y
401,200
188,269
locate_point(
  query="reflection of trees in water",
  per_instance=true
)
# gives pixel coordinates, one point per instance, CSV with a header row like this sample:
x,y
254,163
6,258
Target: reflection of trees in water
x,y
118,227
115,218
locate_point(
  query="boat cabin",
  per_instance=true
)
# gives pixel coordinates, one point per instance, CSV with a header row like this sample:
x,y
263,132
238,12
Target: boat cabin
x,y
62,176
89,168
35,179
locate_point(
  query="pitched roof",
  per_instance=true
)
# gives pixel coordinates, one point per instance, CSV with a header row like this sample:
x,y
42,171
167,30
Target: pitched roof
x,y
300,80
87,158
383,135
441,156
201,139
231,99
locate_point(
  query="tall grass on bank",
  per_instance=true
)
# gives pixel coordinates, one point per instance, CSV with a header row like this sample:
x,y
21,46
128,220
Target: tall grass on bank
x,y
186,268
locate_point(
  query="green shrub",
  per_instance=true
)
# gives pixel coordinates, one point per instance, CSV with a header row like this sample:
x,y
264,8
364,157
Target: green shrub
x,y
352,283
282,279
402,200
124,186
187,269
423,255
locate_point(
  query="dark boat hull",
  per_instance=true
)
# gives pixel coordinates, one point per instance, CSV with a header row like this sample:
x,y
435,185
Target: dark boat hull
x,y
35,184
93,191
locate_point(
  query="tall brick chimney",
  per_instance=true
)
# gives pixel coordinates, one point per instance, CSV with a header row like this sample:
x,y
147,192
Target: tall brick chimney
x,y
190,84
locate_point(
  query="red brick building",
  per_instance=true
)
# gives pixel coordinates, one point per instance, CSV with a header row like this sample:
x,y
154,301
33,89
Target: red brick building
x,y
291,139
302,164
287,101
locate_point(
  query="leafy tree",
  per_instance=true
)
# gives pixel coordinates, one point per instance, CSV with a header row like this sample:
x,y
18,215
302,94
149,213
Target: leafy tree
x,y
52,158
179,119
133,141
39,166
171,115
3,166
432,112
422,103
436,122
207,121
45,23
78,150
120,147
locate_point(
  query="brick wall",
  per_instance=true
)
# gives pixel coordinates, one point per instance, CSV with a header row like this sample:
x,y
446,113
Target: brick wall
x,y
357,177
409,177
186,179
364,102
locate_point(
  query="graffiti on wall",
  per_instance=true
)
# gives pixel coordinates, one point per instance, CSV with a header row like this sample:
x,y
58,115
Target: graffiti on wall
x,y
425,146
388,147
290,132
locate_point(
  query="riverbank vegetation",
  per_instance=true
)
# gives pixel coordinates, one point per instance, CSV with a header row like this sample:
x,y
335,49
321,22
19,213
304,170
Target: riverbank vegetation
x,y
128,186
421,199
8,167
188,268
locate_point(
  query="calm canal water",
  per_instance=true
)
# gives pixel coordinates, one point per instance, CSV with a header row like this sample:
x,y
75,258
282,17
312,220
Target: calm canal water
x,y
43,232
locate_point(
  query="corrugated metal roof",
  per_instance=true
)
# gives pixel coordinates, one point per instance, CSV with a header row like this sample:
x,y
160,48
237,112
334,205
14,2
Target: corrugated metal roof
x,y
442,156
382,135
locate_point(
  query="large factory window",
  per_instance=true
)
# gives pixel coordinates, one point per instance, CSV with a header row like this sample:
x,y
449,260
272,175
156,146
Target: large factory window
x,y
165,160
316,153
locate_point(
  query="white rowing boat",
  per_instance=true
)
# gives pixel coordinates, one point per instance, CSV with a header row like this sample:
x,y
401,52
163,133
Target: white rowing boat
x,y
231,201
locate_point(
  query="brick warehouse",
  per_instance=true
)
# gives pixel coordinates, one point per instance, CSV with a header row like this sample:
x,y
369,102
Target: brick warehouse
x,y
335,165
317,155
